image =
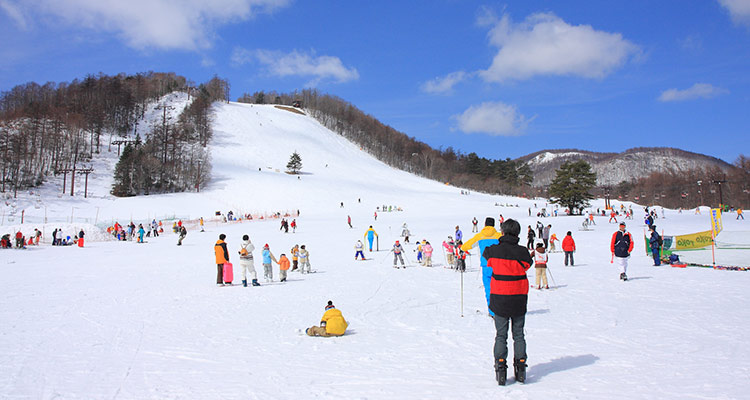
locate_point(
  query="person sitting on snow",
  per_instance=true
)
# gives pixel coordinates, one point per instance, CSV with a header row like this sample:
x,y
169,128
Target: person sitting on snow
x,y
332,323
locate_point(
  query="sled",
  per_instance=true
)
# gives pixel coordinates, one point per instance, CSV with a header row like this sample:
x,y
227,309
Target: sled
x,y
679,265
228,272
80,242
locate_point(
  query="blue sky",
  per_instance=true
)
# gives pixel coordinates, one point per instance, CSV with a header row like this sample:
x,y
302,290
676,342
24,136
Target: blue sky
x,y
502,79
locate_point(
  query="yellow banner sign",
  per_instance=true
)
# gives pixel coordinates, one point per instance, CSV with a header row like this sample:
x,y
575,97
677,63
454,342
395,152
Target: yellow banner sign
x,y
716,221
692,241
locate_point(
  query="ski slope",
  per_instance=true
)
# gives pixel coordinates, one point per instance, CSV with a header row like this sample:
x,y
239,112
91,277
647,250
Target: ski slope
x,y
122,320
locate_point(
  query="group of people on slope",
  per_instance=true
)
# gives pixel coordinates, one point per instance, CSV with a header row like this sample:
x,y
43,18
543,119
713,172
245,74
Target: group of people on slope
x,y
224,268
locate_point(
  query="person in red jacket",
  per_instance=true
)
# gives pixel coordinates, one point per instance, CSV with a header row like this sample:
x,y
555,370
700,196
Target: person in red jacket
x,y
509,290
621,247
569,246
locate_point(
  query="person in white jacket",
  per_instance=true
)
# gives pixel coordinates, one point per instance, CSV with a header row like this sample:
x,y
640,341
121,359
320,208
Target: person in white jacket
x,y
246,261
359,249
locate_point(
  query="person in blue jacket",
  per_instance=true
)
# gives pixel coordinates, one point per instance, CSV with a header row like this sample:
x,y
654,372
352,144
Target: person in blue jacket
x,y
655,245
370,234
486,237
459,235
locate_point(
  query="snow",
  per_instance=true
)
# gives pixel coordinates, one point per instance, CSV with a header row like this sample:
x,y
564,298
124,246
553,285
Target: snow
x,y
124,320
548,156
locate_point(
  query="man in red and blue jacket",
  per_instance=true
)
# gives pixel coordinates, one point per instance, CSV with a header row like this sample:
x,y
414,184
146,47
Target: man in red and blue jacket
x,y
509,290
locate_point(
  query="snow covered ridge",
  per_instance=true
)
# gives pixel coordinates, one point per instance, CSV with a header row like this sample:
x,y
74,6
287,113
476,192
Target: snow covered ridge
x,y
613,168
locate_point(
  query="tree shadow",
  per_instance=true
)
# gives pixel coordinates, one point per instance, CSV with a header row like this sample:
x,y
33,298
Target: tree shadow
x,y
536,372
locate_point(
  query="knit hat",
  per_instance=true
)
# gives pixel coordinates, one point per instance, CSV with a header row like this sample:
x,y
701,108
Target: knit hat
x,y
622,224
489,221
330,305
265,246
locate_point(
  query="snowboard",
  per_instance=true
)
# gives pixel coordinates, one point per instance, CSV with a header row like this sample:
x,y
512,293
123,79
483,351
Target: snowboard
x,y
228,272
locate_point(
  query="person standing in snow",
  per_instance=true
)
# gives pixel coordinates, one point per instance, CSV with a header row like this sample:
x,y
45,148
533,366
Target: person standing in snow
x,y
739,214
419,251
540,266
427,250
397,256
552,239
458,235
247,263
569,247
540,229
141,232
474,223
486,237
655,245
183,233
222,256
332,323
545,235
370,234
621,247
295,257
201,223
531,236
509,297
268,257
304,260
405,233
460,256
359,250
294,225
283,267
349,221
81,234
449,247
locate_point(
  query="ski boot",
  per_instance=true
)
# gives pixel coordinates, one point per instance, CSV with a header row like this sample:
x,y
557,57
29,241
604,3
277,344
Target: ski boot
x,y
519,368
501,369
244,283
255,282
623,276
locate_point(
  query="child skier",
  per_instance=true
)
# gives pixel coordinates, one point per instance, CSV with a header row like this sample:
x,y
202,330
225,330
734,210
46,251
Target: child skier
x,y
419,252
460,257
427,250
268,257
359,248
540,264
304,260
449,248
283,267
246,261
295,257
552,240
397,250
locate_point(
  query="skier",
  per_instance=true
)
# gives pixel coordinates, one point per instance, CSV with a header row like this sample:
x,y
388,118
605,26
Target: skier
x,y
509,296
569,247
247,262
474,223
545,235
540,229
349,221
155,227
304,260
449,247
283,267
376,215
458,235
460,256
359,250
655,242
739,214
201,223
370,234
552,241
332,323
540,266
621,246
427,250
405,233
294,225
419,252
295,256
531,236
612,216
268,257
486,237
397,250
183,233
222,256
54,237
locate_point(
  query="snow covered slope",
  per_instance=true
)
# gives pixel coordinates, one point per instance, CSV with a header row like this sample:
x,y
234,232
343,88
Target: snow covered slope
x,y
122,320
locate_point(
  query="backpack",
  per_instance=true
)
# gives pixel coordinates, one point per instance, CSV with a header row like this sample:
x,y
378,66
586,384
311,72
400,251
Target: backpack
x,y
674,259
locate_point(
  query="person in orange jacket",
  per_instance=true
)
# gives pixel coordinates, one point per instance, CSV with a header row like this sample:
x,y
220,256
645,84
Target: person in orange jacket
x,y
569,246
283,267
222,256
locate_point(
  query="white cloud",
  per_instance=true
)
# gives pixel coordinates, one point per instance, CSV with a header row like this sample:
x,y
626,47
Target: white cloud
x,y
161,24
544,44
697,91
297,63
738,9
14,13
493,118
444,84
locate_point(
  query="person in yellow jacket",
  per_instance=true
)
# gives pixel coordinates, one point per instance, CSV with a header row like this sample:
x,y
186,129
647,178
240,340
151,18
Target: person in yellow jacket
x,y
332,323
485,238
370,235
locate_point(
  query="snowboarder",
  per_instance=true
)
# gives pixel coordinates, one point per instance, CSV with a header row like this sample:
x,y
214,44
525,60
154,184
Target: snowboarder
x,y
359,250
569,247
509,296
222,256
332,323
304,260
397,250
621,246
247,263
486,237
370,234
474,223
268,257
655,242
183,233
283,267
540,266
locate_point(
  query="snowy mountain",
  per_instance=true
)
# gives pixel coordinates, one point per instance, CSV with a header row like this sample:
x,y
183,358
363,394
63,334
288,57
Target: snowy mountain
x,y
613,168
127,320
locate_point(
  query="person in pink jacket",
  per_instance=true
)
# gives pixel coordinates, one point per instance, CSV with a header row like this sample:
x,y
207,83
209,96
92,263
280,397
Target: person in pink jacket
x,y
427,252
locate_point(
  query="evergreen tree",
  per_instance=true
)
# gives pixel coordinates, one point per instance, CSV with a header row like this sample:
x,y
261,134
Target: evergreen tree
x,y
295,163
123,185
572,184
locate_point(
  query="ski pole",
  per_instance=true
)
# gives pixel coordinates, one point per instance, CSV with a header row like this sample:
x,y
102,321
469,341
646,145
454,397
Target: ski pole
x,y
386,256
462,294
552,277
612,261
